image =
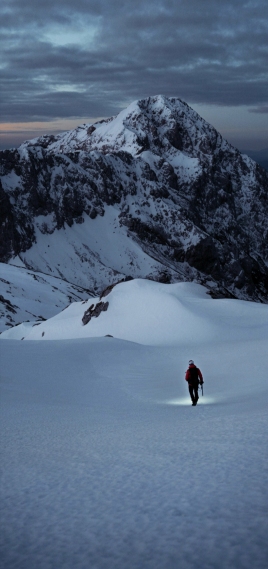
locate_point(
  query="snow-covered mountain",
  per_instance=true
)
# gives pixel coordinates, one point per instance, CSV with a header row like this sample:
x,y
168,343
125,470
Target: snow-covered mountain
x,y
155,192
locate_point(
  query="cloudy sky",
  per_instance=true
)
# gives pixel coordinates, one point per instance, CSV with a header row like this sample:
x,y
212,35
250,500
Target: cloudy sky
x,y
65,62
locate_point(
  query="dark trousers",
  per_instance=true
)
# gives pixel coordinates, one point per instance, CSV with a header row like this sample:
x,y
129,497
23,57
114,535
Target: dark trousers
x,y
193,390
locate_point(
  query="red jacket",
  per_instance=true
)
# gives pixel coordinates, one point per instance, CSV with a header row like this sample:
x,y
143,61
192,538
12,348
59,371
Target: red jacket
x,y
188,374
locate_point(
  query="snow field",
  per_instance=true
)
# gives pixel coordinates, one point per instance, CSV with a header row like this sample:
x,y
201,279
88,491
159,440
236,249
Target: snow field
x,y
105,463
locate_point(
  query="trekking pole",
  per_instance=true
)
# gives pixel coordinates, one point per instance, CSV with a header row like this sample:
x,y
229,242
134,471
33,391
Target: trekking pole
x,y
202,389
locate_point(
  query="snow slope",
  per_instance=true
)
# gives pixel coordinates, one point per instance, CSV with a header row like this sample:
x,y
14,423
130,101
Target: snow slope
x,y
28,295
99,250
105,464
153,313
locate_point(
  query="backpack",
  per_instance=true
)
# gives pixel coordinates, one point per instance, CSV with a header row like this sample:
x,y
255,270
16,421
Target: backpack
x,y
193,376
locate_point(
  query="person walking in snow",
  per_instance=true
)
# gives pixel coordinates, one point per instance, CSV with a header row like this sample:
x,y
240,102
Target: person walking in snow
x,y
194,378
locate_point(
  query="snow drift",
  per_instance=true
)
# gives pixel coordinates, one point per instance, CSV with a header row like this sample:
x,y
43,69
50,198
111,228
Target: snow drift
x,y
152,313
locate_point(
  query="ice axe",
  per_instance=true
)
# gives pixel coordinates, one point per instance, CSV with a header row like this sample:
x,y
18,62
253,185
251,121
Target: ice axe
x,y
202,389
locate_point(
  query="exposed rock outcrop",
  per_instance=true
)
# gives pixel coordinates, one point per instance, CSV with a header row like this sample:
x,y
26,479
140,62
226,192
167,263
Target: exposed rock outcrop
x,y
94,311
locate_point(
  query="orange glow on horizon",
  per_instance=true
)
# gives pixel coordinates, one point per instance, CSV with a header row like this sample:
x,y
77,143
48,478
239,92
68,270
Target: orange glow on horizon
x,y
37,126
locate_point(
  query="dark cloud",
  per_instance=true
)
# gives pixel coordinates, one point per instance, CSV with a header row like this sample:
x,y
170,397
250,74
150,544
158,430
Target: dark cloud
x,y
91,58
263,110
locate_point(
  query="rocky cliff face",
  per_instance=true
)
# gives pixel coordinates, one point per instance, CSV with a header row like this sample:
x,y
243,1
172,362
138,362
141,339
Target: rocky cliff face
x,y
154,192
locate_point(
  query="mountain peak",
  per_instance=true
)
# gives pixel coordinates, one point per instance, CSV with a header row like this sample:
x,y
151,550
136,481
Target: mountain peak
x,y
141,126
154,192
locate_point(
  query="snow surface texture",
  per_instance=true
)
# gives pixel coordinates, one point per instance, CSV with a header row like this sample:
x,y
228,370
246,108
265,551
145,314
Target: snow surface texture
x,y
26,295
105,464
